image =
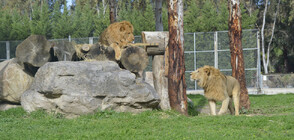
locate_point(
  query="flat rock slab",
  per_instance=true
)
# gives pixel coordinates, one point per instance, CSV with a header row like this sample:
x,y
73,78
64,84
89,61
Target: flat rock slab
x,y
75,88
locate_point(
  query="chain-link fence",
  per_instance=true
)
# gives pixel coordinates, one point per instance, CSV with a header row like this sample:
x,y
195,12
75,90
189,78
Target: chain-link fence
x,y
212,48
202,48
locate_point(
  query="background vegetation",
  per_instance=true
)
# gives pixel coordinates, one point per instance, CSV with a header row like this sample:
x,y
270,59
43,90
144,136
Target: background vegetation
x,y
87,18
270,117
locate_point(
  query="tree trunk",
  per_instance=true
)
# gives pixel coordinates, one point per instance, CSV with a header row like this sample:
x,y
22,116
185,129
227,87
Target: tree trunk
x,y
112,11
265,63
158,16
176,68
272,36
286,60
237,61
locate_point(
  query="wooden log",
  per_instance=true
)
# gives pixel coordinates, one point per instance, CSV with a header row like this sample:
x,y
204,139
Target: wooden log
x,y
134,59
158,64
154,50
151,48
100,52
143,44
85,48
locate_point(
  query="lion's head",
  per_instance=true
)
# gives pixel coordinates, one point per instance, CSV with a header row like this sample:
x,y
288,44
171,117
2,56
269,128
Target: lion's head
x,y
126,31
203,74
120,33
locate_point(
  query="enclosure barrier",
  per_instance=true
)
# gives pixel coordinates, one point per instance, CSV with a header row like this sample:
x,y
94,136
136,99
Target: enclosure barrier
x,y
201,48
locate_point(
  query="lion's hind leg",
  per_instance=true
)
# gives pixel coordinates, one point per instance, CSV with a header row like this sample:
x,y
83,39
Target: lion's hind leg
x,y
231,107
236,97
236,103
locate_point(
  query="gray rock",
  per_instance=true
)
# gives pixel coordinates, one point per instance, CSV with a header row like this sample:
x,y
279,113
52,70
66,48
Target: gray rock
x,y
5,106
63,50
33,51
75,88
13,81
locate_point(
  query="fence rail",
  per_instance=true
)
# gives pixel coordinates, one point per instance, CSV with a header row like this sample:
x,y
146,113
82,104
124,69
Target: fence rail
x,y
201,48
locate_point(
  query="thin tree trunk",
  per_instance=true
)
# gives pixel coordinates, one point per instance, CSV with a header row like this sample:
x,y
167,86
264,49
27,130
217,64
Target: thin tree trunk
x,y
273,31
286,60
104,4
112,11
237,60
176,68
265,63
158,15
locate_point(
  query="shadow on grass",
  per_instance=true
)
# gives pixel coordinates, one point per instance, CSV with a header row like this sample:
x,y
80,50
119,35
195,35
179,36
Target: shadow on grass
x,y
199,102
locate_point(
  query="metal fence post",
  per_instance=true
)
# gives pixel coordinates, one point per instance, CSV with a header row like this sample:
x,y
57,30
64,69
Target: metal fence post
x,y
90,40
259,78
7,50
195,58
215,50
69,38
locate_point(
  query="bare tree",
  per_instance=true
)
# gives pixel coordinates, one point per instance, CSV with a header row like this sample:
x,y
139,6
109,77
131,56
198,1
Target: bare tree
x,y
237,60
112,11
266,55
176,68
265,63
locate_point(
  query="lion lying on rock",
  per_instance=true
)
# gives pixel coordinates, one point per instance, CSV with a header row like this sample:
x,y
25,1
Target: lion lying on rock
x,y
117,35
218,87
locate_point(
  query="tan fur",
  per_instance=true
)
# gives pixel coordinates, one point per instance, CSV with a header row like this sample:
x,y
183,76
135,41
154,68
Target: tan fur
x,y
79,53
117,35
218,87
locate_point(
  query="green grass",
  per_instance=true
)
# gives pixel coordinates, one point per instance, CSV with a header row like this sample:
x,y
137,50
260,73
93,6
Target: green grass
x,y
270,117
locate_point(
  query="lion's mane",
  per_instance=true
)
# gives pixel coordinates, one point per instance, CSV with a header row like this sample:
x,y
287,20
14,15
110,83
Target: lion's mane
x,y
215,84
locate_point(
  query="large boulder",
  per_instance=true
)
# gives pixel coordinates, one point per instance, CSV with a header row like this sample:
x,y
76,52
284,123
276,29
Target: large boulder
x,y
13,81
5,106
33,52
74,88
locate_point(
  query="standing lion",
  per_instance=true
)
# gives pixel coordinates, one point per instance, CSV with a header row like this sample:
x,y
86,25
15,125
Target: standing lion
x,y
218,87
117,35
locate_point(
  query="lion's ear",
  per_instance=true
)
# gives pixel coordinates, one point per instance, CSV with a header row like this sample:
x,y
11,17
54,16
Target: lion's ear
x,y
207,71
122,28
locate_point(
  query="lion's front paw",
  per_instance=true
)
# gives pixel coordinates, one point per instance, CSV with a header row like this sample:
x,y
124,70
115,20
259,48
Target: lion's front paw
x,y
117,55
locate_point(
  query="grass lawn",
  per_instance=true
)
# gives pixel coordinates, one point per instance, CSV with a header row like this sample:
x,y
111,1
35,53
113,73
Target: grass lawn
x,y
270,117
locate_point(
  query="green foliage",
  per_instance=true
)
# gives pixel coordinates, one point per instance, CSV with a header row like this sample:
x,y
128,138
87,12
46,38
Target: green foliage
x,y
248,21
40,23
83,21
20,27
165,17
5,25
205,16
142,20
270,117
61,21
101,21
56,18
